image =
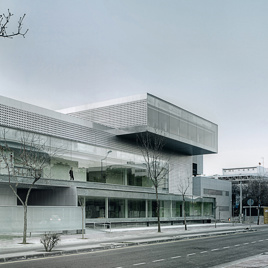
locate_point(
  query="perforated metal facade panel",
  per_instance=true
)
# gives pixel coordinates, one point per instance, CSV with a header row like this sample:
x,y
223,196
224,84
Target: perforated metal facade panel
x,y
24,120
122,115
30,121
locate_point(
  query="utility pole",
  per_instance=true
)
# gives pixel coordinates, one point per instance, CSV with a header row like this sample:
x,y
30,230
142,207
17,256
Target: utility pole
x,y
241,205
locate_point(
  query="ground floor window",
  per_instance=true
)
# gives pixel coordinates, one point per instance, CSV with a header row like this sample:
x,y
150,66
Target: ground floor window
x,y
95,208
196,209
176,209
116,208
152,208
208,209
135,208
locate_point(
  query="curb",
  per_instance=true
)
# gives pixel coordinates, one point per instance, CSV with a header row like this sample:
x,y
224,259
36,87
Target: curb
x,y
114,245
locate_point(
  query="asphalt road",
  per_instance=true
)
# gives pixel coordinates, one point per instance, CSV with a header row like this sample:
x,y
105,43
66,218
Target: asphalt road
x,y
205,252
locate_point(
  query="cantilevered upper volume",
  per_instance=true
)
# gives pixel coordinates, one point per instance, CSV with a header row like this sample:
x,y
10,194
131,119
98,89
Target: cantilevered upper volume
x,y
186,132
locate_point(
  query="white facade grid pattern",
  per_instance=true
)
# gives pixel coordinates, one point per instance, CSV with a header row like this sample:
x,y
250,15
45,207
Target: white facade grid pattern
x,y
117,116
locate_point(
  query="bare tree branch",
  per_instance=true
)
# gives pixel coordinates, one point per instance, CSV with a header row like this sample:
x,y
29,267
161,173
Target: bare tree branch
x,y
151,146
32,157
183,188
4,22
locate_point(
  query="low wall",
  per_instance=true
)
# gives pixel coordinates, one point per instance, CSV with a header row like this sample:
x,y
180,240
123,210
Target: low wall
x,y
40,219
253,219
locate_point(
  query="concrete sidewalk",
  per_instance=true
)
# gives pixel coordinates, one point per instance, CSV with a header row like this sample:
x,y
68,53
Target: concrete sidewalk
x,y
100,239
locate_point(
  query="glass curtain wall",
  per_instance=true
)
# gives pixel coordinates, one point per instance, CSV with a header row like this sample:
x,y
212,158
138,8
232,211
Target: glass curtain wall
x,y
208,209
196,209
116,208
121,175
95,208
86,161
134,208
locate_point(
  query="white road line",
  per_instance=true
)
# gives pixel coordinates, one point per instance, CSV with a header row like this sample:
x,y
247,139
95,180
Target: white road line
x,y
253,242
191,254
137,264
176,257
158,260
226,247
203,252
260,240
245,243
215,249
237,245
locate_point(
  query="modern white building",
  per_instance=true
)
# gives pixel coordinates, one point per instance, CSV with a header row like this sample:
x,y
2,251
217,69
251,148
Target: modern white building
x,y
98,142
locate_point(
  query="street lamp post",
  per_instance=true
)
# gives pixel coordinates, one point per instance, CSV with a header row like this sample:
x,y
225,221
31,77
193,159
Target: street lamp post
x,y
241,204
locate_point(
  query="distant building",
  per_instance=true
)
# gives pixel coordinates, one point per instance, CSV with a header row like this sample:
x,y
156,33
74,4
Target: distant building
x,y
243,173
240,178
220,190
98,142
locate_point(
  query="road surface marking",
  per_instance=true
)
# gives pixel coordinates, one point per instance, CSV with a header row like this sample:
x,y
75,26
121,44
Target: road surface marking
x,y
191,254
253,242
237,245
137,264
215,249
260,240
158,260
203,252
226,247
175,257
245,243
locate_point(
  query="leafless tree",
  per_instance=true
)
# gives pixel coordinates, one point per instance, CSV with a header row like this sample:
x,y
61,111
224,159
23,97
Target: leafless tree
x,y
157,163
5,22
183,187
30,159
257,190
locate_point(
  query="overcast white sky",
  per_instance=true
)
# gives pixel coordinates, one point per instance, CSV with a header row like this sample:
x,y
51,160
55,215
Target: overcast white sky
x,y
208,57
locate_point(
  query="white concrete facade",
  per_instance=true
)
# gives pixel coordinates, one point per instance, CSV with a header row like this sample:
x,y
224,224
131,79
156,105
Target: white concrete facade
x,y
109,170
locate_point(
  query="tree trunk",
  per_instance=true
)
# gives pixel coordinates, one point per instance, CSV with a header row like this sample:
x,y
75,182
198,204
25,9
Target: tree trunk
x,y
24,224
83,218
25,206
157,211
184,214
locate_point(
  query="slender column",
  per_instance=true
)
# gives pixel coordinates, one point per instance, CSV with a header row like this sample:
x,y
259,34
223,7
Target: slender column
x,y
125,176
126,208
146,208
241,206
171,208
106,207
